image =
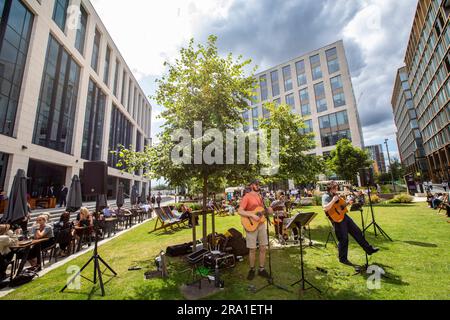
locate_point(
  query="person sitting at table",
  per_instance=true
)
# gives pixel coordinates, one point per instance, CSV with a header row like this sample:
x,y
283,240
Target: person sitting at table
x,y
84,221
40,231
108,212
63,231
7,240
186,213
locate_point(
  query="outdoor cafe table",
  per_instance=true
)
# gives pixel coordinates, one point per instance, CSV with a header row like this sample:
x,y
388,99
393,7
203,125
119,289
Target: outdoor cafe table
x,y
25,247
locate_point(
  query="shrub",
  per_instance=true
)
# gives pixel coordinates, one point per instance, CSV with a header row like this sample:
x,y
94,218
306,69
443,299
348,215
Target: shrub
x,y
402,198
317,201
375,199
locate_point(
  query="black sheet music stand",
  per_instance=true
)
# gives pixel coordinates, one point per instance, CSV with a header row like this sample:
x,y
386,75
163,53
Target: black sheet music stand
x,y
300,221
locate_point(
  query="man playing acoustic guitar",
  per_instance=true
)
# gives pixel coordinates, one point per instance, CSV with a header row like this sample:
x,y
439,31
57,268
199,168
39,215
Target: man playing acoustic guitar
x,y
345,227
247,210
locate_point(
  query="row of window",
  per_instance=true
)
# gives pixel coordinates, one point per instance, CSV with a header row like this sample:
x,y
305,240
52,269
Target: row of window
x,y
316,72
320,98
333,128
136,105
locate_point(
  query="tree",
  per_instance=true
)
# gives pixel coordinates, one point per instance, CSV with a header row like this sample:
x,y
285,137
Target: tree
x,y
397,170
295,143
346,160
199,87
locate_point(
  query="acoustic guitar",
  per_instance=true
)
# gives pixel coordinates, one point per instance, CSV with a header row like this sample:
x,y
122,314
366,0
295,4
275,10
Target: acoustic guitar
x,y
338,211
249,224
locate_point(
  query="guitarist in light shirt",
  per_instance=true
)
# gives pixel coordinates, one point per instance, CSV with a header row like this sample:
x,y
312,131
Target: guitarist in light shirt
x,y
248,205
344,228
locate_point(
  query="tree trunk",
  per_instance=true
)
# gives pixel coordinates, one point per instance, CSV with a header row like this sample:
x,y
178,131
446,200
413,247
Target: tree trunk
x,y
205,199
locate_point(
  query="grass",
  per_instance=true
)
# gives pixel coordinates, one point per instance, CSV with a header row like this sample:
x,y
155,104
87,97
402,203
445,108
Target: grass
x,y
417,264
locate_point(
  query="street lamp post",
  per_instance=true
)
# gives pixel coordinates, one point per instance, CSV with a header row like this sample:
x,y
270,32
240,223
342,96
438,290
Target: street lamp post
x,y
390,165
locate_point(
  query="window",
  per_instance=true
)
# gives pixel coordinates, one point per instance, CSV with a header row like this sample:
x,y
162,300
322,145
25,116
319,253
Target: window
x,y
124,83
120,134
58,100
96,51
3,167
287,75
316,68
309,127
16,21
245,115
321,101
130,97
301,73
107,66
116,78
304,103
277,102
60,13
266,113
333,128
93,124
275,84
290,101
338,92
81,31
264,88
255,124
255,113
332,60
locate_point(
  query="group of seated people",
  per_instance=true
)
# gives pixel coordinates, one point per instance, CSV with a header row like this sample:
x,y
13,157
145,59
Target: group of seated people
x,y
183,212
436,200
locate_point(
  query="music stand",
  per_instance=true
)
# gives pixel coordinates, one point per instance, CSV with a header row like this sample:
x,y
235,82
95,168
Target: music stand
x,y
301,220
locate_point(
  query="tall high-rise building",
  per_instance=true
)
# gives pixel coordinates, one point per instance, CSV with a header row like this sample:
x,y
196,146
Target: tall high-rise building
x,y
409,137
428,66
377,155
318,86
67,96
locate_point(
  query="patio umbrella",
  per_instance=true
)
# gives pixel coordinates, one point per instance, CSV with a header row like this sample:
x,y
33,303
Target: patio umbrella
x,y
74,200
134,196
143,196
120,196
102,202
18,206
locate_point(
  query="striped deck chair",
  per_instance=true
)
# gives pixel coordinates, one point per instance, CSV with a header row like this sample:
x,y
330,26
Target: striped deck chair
x,y
164,221
172,216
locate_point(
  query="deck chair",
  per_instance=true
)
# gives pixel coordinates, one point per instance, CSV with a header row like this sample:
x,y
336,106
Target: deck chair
x,y
164,221
444,205
171,215
219,211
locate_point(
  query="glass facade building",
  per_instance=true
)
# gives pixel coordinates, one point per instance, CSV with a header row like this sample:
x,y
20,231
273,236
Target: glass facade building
x,y
428,66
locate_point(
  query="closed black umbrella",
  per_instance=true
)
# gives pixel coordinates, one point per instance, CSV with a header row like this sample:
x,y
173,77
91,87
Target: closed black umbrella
x,y
120,196
134,196
74,200
102,202
143,196
18,206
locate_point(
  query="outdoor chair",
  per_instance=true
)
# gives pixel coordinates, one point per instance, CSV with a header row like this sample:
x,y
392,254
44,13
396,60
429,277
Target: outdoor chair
x,y
219,211
163,221
444,205
50,253
172,216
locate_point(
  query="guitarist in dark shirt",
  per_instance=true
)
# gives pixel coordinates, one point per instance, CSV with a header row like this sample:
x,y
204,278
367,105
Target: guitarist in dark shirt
x,y
346,227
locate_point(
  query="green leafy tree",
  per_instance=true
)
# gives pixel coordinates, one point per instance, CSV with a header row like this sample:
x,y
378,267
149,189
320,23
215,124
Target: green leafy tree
x,y
346,160
295,144
200,86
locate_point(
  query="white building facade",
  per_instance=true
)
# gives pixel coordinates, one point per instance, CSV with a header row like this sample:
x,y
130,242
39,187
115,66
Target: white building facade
x,y
67,96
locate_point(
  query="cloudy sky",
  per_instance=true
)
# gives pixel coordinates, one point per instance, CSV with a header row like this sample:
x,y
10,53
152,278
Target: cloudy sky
x,y
375,34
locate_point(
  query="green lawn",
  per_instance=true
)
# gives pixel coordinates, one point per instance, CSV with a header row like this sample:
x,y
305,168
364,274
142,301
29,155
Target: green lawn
x,y
417,264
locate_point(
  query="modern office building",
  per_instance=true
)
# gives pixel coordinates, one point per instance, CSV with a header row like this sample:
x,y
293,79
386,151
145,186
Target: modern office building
x,y
409,137
317,86
377,155
428,66
67,96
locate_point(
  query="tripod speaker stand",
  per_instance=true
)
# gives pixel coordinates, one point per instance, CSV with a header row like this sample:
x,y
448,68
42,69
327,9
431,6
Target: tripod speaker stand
x,y
374,223
95,258
302,220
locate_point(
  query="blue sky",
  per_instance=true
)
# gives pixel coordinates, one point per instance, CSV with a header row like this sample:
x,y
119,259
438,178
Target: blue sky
x,y
375,34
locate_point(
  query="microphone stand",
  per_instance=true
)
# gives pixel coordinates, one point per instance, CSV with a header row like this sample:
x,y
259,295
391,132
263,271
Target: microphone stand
x,y
270,281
